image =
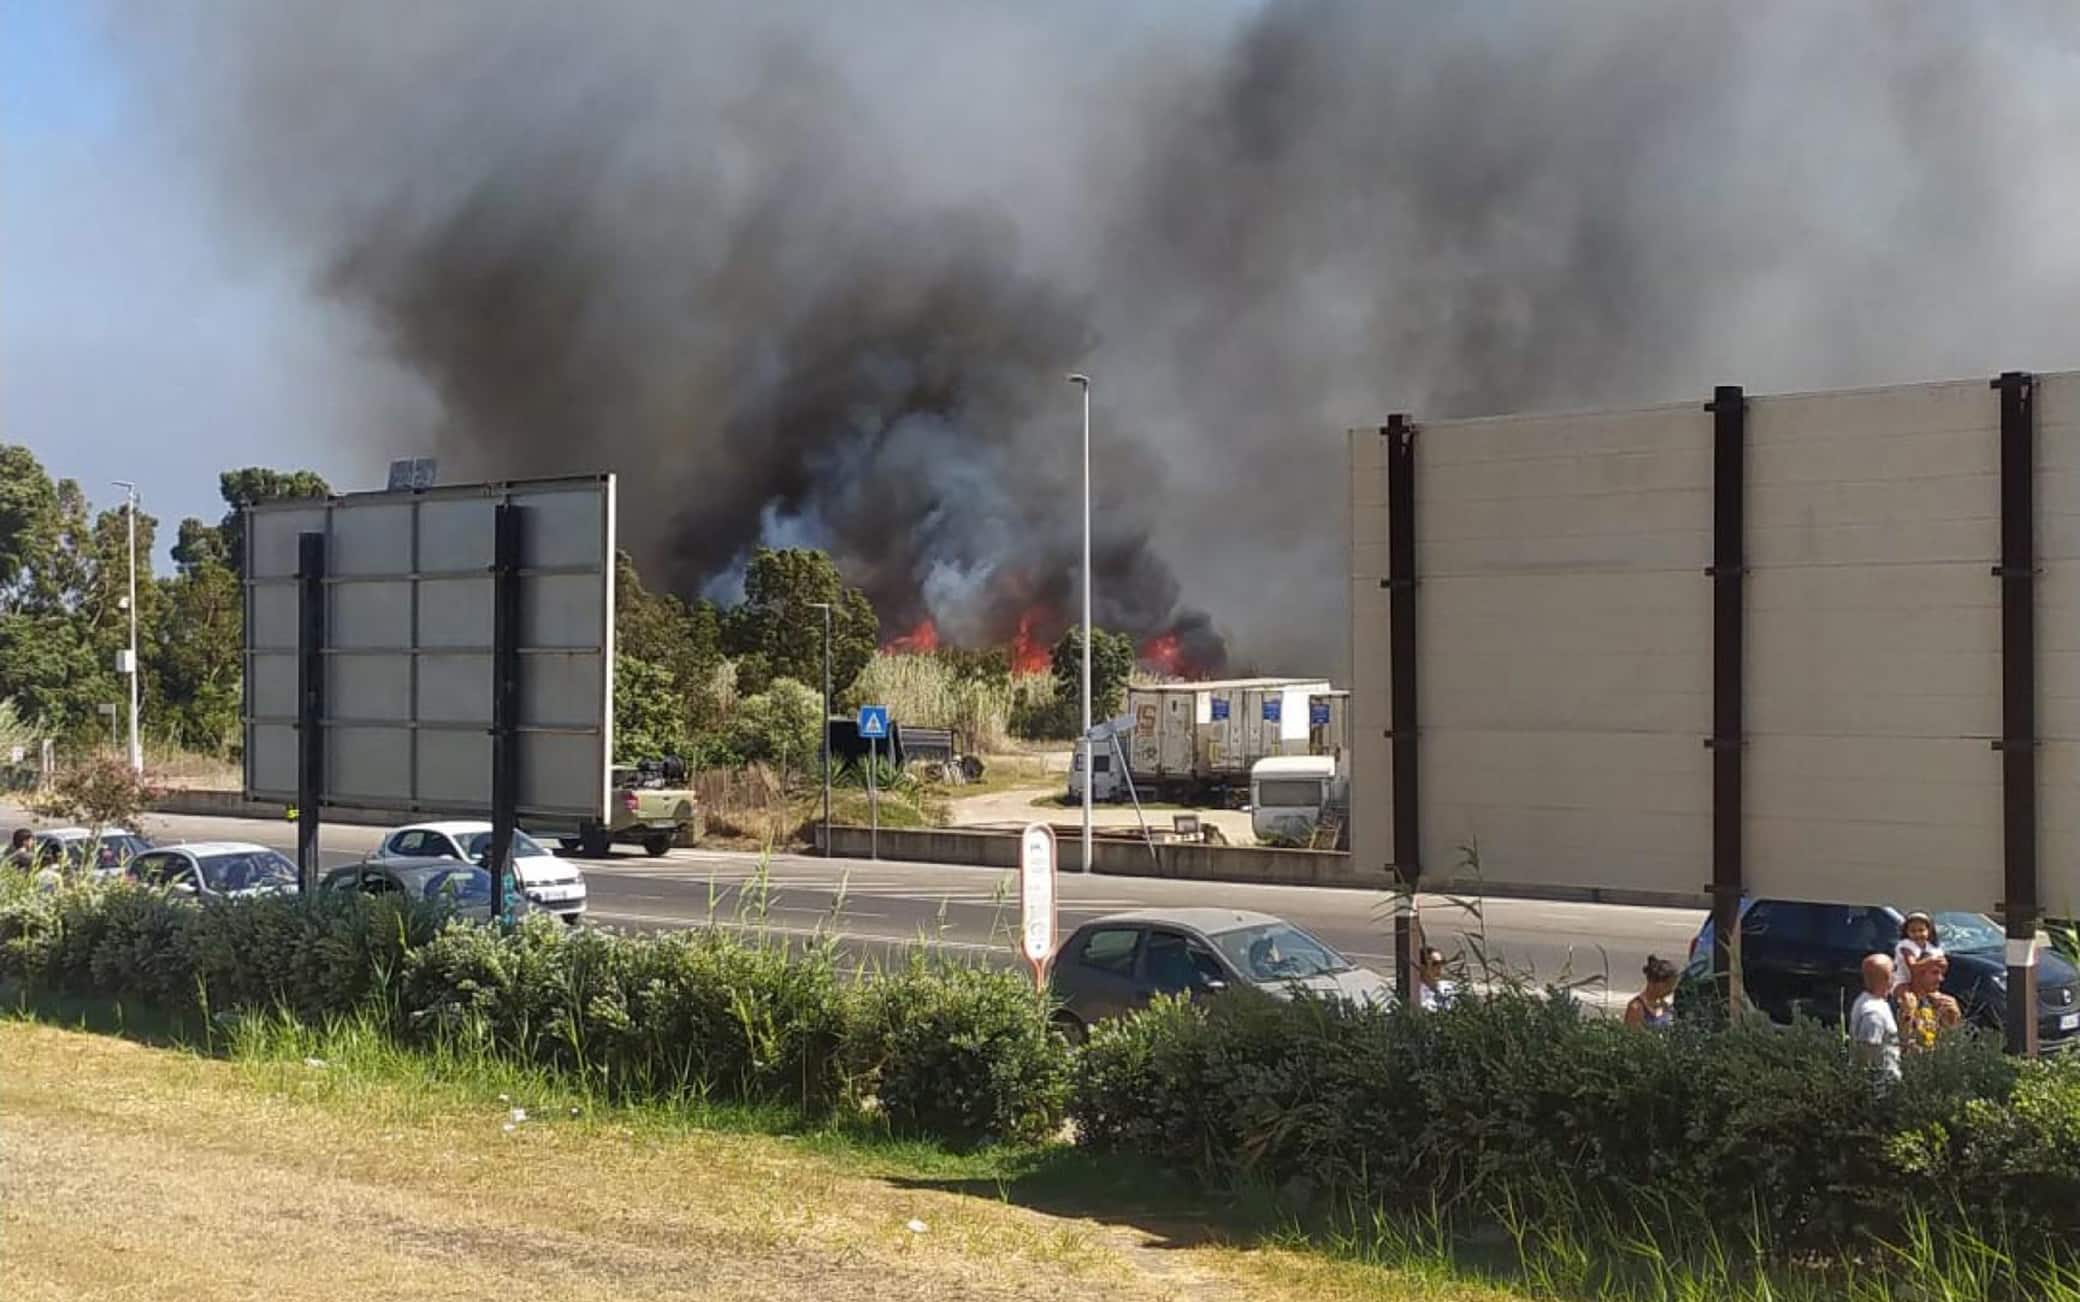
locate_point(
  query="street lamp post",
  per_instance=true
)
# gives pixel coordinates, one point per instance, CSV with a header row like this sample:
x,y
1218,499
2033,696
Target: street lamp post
x,y
825,607
1089,777
130,510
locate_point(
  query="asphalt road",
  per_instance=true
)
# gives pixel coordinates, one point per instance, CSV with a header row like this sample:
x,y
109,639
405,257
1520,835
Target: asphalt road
x,y
872,905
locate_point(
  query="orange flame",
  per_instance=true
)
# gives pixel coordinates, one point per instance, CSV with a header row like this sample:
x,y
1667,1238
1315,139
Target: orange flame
x,y
922,640
1028,656
1164,654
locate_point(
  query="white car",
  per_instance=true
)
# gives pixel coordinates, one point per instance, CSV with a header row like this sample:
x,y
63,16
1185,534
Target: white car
x,y
72,846
216,870
545,879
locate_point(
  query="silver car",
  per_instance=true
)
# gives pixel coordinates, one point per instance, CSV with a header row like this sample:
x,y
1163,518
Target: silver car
x,y
216,870
462,889
1116,964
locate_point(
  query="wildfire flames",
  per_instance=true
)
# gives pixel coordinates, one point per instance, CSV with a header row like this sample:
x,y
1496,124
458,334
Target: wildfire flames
x,y
1030,648
1163,654
1029,655
922,640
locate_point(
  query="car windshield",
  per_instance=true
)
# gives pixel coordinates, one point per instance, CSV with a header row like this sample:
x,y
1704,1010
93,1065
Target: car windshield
x,y
1279,951
1968,931
524,847
247,870
460,886
116,851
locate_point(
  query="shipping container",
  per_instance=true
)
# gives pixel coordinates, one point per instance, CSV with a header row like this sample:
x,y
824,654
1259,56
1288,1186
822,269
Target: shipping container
x,y
1328,717
1194,737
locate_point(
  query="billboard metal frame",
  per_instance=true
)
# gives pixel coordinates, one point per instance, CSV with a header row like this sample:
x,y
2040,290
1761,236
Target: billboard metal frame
x,y
385,654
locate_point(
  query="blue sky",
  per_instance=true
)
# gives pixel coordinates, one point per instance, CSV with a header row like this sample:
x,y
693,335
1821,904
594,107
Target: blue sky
x,y
137,341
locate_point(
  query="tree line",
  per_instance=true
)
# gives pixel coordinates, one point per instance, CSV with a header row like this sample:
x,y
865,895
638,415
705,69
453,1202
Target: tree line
x,y
715,684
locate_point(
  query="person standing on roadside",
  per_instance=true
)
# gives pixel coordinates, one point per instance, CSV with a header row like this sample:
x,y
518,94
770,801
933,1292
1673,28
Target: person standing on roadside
x,y
1873,1030
1433,992
1925,1012
1654,1008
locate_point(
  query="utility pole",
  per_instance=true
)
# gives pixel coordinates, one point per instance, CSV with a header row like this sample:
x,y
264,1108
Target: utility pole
x,y
130,666
1089,777
825,607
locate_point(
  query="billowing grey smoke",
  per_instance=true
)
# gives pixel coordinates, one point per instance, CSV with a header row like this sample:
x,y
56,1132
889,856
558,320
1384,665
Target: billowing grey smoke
x,y
816,276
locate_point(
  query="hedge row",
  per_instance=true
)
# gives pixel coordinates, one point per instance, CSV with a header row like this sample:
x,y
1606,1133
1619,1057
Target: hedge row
x,y
1521,1097
955,1052
1508,1100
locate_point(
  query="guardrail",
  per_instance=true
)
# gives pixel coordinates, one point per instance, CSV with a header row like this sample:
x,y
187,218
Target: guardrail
x,y
1190,861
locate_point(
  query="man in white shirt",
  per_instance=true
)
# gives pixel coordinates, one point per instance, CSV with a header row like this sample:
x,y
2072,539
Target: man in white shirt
x,y
1873,1030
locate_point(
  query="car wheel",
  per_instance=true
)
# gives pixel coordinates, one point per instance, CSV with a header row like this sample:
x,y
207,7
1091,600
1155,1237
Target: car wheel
x,y
655,845
1071,1028
595,845
572,919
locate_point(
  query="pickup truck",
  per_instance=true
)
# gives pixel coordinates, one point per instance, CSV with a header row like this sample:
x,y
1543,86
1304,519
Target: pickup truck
x,y
651,808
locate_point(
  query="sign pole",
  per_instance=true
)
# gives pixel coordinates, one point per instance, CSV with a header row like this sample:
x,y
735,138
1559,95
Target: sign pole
x,y
505,701
310,704
873,803
1036,898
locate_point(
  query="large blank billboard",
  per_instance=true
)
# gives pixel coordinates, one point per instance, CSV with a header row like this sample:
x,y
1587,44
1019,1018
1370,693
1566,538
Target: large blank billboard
x,y
408,647
1565,647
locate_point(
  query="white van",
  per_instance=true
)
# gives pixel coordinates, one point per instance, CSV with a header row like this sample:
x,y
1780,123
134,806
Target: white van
x,y
1109,785
1287,794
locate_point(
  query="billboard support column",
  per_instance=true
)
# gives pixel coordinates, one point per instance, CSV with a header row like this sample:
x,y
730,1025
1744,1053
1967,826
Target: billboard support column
x,y
505,698
1400,583
1728,571
310,704
2017,573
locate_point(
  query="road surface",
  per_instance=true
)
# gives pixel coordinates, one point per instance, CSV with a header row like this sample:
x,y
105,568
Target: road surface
x,y
874,905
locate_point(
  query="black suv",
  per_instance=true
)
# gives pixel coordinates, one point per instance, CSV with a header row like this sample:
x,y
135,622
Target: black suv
x,y
1806,960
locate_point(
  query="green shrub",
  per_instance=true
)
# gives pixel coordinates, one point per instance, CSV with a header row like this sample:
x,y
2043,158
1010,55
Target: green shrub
x,y
962,1052
2015,1156
701,1013
1521,1101
118,941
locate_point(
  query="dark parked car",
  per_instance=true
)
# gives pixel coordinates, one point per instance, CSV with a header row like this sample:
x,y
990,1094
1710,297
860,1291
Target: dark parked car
x,y
1806,960
1117,964
463,888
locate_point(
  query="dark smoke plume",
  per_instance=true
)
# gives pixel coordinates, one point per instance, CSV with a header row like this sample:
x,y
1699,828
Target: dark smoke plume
x,y
815,277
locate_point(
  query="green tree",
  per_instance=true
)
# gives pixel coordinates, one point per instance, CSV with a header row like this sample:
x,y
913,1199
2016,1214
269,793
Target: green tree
x,y
47,668
103,608
29,525
197,644
782,725
649,714
778,632
61,617
1112,665
684,641
250,487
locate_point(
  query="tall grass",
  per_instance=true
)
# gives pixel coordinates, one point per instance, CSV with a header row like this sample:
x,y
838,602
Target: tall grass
x,y
1569,1250
929,692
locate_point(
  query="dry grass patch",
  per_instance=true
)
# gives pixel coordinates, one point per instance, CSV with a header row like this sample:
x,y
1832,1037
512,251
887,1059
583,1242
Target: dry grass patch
x,y
149,1173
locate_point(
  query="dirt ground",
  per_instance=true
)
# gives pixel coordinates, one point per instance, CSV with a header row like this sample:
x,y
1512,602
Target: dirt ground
x,y
131,1172
1016,806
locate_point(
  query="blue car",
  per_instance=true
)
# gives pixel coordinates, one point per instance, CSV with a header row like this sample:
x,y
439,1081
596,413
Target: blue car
x,y
1800,959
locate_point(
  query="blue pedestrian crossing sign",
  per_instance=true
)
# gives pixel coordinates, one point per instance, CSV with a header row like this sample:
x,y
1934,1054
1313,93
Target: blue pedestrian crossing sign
x,y
1274,709
873,722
